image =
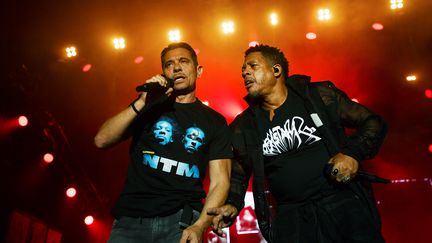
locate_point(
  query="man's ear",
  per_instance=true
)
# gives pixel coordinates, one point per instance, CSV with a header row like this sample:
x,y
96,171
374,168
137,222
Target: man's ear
x,y
200,69
277,70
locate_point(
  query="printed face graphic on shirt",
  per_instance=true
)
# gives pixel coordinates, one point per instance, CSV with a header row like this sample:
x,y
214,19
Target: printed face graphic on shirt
x,y
292,135
163,132
193,139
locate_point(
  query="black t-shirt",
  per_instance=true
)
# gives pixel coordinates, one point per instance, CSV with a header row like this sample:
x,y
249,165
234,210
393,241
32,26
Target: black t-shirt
x,y
171,147
294,153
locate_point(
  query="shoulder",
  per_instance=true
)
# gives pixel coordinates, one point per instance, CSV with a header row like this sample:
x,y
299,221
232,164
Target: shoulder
x,y
212,114
243,119
325,86
328,91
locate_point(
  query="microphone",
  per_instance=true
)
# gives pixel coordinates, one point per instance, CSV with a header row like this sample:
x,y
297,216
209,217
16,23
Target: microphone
x,y
154,86
328,168
372,177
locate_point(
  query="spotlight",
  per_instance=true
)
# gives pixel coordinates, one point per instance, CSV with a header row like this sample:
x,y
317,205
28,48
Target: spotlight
x,y
86,67
274,19
23,121
48,158
138,59
228,27
430,148
206,103
253,43
324,14
119,43
428,93
411,78
311,36
71,192
174,35
377,26
355,100
89,220
396,4
71,51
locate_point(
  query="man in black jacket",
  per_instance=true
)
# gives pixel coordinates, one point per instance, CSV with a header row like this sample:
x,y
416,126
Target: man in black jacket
x,y
291,138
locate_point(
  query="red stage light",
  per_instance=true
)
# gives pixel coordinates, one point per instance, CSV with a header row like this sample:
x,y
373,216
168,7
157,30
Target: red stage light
x,y
71,192
88,220
48,158
377,26
253,43
197,51
23,121
428,93
138,59
430,148
86,68
311,36
355,100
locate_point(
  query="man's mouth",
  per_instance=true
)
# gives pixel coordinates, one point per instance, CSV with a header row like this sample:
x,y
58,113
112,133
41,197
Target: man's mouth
x,y
179,78
248,83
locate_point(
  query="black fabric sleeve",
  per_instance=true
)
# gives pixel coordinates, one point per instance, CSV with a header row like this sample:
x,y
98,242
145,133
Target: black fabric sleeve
x,y
241,168
220,145
238,186
370,128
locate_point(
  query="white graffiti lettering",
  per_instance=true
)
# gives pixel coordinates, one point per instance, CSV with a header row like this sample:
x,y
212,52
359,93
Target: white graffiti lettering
x,y
293,134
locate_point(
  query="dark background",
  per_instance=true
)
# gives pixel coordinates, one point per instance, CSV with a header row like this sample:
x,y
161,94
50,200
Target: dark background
x,y
66,106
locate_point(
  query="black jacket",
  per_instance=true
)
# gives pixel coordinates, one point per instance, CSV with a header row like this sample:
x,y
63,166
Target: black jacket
x,y
336,111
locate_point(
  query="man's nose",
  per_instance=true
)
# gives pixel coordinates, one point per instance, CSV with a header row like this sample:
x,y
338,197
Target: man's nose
x,y
245,72
177,67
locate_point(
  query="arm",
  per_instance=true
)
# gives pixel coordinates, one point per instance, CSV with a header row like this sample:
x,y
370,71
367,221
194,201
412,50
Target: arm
x,y
370,130
118,127
219,172
240,174
225,215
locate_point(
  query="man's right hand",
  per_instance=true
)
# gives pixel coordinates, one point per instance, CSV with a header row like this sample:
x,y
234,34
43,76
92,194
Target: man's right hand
x,y
148,97
224,216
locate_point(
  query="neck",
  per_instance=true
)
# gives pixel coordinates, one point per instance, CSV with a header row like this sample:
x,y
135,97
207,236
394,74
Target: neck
x,y
275,98
186,98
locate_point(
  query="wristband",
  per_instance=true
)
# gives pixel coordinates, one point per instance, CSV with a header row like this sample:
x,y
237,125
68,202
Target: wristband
x,y
134,108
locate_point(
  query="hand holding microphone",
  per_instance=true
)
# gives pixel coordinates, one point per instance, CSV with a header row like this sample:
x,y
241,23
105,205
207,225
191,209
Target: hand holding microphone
x,y
156,89
158,83
342,168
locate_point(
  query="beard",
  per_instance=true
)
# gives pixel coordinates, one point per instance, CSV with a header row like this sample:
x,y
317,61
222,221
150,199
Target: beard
x,y
254,94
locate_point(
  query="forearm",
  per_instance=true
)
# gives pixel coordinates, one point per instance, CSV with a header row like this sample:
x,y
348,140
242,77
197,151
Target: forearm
x,y
238,186
219,173
116,128
216,197
365,143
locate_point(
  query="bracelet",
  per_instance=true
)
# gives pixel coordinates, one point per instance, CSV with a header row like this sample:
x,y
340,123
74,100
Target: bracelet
x,y
134,108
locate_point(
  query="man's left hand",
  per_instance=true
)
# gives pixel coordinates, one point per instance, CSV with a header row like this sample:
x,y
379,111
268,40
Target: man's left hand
x,y
344,167
192,234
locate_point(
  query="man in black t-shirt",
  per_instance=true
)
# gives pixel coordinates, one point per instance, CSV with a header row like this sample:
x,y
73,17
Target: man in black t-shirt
x,y
292,132
175,137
